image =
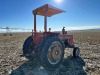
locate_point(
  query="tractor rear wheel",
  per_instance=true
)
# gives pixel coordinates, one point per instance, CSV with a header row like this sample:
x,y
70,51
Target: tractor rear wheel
x,y
29,50
52,53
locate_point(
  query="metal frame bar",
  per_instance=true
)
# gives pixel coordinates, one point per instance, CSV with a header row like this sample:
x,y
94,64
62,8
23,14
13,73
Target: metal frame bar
x,y
34,22
45,18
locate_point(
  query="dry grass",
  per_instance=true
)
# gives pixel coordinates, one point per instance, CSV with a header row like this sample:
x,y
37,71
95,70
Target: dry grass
x,y
10,51
88,41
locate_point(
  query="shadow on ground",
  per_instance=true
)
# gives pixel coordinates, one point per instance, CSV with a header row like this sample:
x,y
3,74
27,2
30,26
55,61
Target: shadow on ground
x,y
69,66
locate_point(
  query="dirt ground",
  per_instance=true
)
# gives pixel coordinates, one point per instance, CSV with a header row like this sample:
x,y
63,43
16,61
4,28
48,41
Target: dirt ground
x,y
13,63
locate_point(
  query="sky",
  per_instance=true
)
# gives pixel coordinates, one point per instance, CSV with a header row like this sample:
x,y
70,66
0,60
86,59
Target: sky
x,y
80,14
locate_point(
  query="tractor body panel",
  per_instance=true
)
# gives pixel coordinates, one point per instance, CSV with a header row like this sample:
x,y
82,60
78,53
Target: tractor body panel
x,y
67,39
39,36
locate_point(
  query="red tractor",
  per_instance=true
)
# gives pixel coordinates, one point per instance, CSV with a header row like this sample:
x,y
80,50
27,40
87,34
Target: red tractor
x,y
48,47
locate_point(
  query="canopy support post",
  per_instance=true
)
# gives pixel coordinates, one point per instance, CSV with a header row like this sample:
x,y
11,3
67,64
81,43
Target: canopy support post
x,y
34,22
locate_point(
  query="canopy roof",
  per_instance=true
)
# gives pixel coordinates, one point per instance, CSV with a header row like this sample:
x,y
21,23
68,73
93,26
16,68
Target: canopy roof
x,y
47,10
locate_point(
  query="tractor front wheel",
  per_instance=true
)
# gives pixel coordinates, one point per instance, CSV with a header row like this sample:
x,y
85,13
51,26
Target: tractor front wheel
x,y
76,52
52,53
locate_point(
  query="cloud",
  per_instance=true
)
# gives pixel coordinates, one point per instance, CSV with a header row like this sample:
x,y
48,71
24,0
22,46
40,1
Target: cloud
x,y
76,28
82,27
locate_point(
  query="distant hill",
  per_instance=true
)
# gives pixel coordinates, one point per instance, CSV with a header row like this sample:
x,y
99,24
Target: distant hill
x,y
87,30
94,29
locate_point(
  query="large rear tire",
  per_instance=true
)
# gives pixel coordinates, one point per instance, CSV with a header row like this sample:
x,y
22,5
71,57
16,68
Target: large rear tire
x,y
29,50
52,52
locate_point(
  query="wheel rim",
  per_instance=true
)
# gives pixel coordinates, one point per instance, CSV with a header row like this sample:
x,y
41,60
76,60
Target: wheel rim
x,y
55,52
